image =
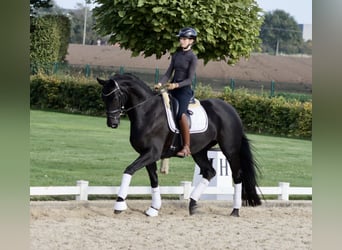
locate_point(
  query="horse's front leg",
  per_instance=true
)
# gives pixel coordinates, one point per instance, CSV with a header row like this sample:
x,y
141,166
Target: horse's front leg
x,y
143,160
153,210
120,204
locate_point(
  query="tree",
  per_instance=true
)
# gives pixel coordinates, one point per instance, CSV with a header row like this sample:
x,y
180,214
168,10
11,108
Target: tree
x,y
280,32
227,29
37,4
77,26
49,38
306,48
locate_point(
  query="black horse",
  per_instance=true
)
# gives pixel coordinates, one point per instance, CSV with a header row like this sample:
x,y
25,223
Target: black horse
x,y
152,138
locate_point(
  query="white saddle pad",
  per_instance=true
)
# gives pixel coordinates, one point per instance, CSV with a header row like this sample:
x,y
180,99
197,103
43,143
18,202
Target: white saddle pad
x,y
199,118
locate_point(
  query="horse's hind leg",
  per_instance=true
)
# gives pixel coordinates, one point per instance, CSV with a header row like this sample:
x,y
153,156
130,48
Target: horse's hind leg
x,y
229,149
156,198
237,199
234,162
208,172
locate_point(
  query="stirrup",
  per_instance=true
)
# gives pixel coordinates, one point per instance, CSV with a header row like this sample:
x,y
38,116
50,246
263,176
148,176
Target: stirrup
x,y
184,152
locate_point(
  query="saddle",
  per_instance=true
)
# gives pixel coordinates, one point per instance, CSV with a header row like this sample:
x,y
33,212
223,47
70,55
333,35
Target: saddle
x,y
197,117
174,106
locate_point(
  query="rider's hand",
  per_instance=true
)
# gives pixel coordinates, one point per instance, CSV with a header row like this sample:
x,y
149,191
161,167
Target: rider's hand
x,y
171,86
157,86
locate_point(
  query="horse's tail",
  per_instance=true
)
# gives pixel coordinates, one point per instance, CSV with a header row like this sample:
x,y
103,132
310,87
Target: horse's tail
x,y
249,174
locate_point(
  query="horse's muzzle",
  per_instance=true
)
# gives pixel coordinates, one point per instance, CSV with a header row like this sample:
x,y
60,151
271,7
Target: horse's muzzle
x,y
112,123
113,118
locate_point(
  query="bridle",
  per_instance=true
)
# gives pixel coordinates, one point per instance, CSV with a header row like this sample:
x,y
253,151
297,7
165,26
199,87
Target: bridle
x,y
112,113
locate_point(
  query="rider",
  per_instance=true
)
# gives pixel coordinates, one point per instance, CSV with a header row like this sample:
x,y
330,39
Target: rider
x,y
183,64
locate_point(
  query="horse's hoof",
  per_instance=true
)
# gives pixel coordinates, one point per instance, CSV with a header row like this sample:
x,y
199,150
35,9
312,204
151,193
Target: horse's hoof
x,y
151,212
119,207
192,207
235,212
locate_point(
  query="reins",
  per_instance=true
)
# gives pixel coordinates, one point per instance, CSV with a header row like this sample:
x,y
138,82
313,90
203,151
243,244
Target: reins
x,y
122,109
139,104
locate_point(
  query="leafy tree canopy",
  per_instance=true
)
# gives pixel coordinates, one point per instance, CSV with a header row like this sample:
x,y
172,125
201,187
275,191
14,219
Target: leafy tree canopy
x,y
36,4
280,27
227,29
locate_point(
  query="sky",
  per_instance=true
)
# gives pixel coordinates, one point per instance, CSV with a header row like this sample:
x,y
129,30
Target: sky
x,y
300,10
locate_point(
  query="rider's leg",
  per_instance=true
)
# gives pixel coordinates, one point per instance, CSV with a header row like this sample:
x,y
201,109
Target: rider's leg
x,y
184,127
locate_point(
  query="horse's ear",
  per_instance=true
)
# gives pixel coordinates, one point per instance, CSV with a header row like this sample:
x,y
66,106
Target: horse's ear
x,y
100,81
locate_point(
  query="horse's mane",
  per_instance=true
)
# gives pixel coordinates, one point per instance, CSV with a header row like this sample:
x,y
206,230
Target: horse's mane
x,y
132,78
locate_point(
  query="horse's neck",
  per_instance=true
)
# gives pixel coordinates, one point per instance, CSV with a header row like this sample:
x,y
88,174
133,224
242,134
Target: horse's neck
x,y
136,97
146,110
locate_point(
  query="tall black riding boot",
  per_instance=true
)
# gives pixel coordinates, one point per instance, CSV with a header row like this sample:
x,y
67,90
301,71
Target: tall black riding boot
x,y
184,127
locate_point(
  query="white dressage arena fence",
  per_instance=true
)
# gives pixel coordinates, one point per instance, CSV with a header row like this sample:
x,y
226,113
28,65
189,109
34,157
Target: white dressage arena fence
x,y
220,187
82,190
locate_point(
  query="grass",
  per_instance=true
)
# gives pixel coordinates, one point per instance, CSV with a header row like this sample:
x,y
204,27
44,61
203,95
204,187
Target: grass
x,y
65,148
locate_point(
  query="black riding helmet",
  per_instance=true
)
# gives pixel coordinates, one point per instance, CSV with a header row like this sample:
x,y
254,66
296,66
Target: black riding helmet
x,y
187,32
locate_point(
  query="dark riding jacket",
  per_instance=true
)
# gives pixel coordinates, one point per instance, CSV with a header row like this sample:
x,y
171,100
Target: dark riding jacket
x,y
183,64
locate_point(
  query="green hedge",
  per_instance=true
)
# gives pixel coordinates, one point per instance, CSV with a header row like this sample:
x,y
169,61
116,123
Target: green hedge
x,y
68,94
49,40
275,116
260,114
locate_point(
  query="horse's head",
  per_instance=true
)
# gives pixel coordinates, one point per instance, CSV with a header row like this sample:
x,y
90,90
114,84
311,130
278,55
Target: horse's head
x,y
111,96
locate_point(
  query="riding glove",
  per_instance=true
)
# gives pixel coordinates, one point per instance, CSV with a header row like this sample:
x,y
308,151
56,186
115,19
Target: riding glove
x,y
157,86
171,86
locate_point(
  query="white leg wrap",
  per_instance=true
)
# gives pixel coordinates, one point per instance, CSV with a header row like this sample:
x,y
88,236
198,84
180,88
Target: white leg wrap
x,y
151,212
126,180
237,195
156,198
120,206
199,189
